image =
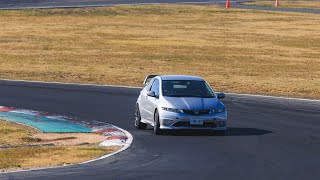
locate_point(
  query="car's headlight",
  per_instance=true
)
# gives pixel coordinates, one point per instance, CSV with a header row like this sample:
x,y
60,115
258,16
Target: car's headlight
x,y
172,110
219,110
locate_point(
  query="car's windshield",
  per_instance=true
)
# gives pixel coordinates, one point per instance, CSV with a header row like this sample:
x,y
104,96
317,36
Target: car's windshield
x,y
186,88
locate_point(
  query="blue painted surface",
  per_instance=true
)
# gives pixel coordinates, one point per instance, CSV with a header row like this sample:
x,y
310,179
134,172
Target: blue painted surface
x,y
44,123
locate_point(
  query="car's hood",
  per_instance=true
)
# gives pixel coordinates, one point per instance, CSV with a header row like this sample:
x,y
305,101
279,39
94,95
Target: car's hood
x,y
191,103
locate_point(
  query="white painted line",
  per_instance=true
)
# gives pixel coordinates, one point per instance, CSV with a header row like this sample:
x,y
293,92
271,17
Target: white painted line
x,y
274,97
107,4
75,84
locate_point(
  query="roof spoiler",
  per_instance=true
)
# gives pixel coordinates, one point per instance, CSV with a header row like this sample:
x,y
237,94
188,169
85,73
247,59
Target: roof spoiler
x,y
148,77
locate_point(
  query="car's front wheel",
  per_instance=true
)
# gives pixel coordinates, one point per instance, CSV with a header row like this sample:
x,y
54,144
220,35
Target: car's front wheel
x,y
137,122
156,127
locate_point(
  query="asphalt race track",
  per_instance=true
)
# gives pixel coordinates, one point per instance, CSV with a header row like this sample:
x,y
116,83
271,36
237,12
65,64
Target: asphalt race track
x,y
269,138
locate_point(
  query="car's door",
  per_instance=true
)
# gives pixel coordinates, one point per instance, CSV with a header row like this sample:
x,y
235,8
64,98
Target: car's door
x,y
151,102
143,100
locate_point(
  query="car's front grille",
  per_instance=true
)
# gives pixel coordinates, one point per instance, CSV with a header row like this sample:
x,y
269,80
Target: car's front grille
x,y
196,112
187,124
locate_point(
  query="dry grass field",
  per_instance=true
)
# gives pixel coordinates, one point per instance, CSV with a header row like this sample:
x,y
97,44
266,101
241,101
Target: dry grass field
x,y
13,134
309,4
49,156
244,51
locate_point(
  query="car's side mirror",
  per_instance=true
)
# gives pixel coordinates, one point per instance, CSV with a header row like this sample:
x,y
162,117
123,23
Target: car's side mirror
x,y
221,95
151,94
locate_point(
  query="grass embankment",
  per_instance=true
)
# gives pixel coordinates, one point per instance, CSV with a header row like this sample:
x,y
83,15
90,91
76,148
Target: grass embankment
x,y
288,4
244,51
25,157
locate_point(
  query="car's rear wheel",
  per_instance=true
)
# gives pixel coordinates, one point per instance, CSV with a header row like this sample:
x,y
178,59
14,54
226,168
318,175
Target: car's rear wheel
x,y
156,127
137,122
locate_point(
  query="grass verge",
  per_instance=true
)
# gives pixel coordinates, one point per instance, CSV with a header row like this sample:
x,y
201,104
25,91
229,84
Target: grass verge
x,y
236,50
13,134
69,152
288,4
31,157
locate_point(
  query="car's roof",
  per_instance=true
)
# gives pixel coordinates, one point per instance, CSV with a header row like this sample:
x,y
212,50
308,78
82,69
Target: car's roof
x,y
181,77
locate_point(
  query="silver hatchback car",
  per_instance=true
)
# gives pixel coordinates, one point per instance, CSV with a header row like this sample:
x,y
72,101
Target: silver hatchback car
x,y
179,102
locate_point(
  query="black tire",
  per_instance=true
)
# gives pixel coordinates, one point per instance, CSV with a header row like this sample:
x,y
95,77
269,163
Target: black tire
x,y
137,122
156,127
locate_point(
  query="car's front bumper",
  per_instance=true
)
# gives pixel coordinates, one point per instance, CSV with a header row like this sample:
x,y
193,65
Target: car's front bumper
x,y
171,120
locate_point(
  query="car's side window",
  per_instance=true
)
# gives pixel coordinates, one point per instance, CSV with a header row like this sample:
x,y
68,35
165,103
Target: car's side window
x,y
155,87
150,84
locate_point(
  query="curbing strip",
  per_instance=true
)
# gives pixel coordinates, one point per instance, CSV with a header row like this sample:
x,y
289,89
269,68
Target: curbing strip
x,y
125,146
